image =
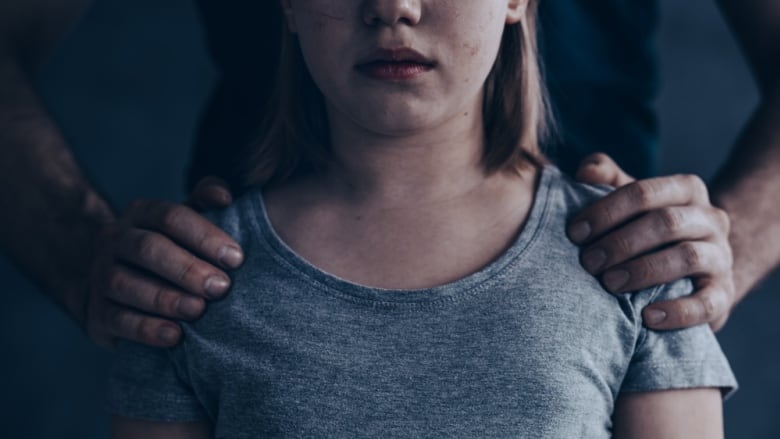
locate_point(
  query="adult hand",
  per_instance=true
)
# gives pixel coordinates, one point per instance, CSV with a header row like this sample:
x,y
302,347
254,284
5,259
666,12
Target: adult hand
x,y
655,231
157,263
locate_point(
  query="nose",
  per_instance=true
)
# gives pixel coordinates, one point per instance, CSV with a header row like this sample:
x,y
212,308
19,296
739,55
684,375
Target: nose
x,y
392,12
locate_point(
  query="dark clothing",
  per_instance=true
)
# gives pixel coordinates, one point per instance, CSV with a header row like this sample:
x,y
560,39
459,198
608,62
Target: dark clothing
x,y
599,59
601,68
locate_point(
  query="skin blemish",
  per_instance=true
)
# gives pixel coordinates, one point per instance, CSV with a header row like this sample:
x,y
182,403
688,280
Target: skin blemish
x,y
472,49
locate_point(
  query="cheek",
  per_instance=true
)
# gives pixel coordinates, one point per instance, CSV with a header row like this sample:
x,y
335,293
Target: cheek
x,y
475,37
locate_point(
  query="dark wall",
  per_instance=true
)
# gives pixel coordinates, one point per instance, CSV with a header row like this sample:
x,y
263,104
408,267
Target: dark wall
x,y
127,86
708,95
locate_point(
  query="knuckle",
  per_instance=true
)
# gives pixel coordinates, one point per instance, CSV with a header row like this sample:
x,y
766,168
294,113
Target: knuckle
x,y
173,217
641,193
145,246
187,271
645,269
164,302
708,308
598,158
686,316
723,219
144,330
697,185
158,300
670,219
622,247
204,241
691,257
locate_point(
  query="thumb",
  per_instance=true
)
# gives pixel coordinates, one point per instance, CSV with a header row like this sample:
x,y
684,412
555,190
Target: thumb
x,y
599,168
210,192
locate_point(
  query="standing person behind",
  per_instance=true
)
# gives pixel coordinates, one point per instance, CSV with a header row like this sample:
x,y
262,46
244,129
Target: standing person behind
x,y
178,252
407,270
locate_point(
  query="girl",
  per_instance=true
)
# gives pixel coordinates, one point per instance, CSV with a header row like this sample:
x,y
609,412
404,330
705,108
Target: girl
x,y
407,272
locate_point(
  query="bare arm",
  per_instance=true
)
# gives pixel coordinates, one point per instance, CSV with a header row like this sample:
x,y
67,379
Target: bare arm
x,y
669,414
56,212
727,247
58,218
746,186
125,428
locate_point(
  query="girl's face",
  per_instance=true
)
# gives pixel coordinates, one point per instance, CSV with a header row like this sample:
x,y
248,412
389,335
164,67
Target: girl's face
x,y
396,67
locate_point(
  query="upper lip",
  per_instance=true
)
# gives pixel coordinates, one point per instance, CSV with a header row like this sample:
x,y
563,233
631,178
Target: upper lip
x,y
400,54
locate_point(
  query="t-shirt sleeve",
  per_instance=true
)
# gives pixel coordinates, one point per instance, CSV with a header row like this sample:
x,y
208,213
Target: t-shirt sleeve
x,y
677,359
145,383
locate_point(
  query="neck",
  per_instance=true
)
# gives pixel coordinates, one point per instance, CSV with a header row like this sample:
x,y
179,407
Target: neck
x,y
426,166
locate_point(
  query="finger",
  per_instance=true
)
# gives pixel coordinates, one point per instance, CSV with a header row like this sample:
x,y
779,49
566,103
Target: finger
x,y
210,193
159,255
634,199
599,168
132,288
688,258
188,228
130,325
708,304
653,230
718,324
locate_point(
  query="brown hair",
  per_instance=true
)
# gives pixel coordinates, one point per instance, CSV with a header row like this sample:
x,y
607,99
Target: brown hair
x,y
295,137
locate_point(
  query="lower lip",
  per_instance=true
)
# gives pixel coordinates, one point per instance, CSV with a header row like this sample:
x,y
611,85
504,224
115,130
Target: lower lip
x,y
393,71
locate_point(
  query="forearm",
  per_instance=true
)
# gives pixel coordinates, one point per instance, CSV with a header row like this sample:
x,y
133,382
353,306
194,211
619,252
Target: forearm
x,y
50,212
747,188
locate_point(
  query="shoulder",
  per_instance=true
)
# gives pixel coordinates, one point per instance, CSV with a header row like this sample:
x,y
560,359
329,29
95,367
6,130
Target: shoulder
x,y
570,196
558,199
240,218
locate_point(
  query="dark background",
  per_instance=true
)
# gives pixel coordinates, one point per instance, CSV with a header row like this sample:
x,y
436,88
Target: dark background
x,y
127,86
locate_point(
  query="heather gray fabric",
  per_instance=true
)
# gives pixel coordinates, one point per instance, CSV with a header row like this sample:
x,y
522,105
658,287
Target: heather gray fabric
x,y
530,346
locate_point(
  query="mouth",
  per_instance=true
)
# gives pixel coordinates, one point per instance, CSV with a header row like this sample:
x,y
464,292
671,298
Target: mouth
x,y
395,64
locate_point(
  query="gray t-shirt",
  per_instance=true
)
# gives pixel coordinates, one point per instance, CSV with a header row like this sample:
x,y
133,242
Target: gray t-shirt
x,y
530,346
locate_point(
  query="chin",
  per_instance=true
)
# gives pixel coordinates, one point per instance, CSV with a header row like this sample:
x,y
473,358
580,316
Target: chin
x,y
396,124
393,116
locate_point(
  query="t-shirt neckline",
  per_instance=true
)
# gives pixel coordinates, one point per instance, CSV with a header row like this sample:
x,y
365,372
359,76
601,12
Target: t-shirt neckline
x,y
471,283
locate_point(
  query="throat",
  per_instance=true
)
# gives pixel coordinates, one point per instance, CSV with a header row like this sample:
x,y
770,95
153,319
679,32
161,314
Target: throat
x,y
409,246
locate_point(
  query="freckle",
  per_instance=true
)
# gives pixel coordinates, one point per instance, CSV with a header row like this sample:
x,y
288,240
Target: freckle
x,y
473,50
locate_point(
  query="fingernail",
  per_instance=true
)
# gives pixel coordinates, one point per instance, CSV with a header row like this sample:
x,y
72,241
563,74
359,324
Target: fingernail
x,y
230,257
168,335
579,231
592,260
189,307
654,316
216,286
614,280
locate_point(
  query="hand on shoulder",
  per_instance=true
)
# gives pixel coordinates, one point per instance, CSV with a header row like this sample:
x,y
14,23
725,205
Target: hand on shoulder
x,y
655,231
157,263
